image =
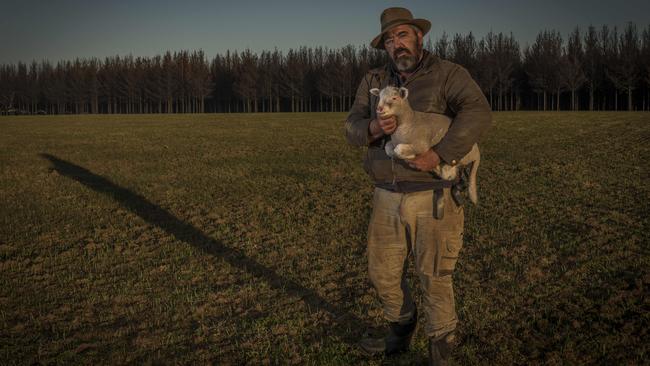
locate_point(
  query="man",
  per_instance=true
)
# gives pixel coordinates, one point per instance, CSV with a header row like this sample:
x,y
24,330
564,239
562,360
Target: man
x,y
404,219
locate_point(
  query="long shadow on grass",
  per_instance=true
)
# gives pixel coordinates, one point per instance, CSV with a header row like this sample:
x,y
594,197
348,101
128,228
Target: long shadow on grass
x,y
155,215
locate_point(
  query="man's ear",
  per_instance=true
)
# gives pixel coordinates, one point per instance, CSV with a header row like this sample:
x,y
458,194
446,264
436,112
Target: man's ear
x,y
374,91
403,92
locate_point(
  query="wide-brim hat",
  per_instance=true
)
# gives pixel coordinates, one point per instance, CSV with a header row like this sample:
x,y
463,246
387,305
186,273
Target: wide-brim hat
x,y
392,17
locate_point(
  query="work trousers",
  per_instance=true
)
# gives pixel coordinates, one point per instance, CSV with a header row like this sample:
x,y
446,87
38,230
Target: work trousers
x,y
401,224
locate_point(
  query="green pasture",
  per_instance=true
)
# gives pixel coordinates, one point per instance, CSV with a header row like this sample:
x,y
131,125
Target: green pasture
x,y
240,239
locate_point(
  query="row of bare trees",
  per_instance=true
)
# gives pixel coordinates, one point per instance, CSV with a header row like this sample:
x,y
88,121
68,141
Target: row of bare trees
x,y
595,69
306,79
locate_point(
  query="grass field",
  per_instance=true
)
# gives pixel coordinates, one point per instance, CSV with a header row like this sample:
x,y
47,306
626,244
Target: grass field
x,y
233,239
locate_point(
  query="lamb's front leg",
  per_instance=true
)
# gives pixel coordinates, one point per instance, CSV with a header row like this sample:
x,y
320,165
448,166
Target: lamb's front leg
x,y
405,151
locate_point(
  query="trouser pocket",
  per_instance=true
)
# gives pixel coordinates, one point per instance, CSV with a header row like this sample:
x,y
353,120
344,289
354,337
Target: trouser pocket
x,y
450,246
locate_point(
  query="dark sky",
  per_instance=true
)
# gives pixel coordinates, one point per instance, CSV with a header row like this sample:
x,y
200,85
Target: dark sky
x,y
65,29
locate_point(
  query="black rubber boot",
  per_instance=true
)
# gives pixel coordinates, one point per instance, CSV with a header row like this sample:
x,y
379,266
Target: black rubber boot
x,y
440,350
397,340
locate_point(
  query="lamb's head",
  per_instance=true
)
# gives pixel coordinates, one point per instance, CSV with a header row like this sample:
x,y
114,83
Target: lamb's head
x,y
392,100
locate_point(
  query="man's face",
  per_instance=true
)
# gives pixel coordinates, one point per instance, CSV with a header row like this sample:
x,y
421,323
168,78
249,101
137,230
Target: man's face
x,y
404,46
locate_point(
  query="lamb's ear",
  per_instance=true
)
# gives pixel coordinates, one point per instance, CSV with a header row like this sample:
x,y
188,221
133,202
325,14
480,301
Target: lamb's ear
x,y
403,92
374,91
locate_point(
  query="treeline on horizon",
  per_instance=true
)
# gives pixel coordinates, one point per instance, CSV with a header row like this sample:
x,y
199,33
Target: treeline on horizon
x,y
595,69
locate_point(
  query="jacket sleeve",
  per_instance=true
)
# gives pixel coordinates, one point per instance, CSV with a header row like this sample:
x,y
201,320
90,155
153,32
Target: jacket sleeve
x,y
358,120
472,120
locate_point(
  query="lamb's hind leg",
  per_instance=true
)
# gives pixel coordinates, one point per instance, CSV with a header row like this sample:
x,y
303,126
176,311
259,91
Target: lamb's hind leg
x,y
405,151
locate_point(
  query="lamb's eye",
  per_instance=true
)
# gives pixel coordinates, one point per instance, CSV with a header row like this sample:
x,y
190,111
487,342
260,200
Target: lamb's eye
x,y
394,98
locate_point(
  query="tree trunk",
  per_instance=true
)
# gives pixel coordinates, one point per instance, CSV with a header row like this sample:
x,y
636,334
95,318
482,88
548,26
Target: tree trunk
x,y
629,98
512,101
552,106
491,100
499,99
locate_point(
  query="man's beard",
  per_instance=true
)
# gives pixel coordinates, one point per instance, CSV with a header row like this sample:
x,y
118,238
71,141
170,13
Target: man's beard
x,y
407,62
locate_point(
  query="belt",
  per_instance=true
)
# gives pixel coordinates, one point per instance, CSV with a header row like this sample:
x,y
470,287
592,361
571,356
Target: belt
x,y
409,187
457,186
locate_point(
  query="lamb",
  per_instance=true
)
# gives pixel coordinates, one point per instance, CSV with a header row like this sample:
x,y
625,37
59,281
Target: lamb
x,y
417,131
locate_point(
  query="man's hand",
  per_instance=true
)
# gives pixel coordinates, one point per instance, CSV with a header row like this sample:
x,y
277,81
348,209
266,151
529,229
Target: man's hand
x,y
425,162
388,125
382,126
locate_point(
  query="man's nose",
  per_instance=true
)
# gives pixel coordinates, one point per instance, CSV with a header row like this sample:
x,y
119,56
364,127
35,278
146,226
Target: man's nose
x,y
380,108
397,43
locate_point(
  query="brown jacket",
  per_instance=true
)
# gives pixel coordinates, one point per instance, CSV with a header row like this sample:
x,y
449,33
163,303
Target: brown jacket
x,y
438,86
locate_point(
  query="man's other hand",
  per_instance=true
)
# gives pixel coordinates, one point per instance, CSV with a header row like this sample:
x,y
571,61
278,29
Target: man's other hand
x,y
425,162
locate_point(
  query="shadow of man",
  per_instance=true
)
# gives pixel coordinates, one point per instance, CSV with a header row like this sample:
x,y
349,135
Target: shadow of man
x,y
345,323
